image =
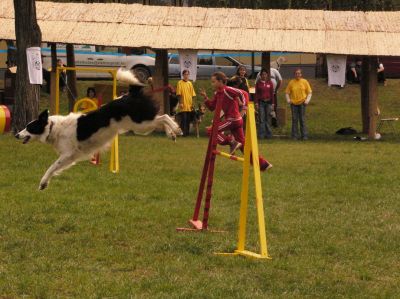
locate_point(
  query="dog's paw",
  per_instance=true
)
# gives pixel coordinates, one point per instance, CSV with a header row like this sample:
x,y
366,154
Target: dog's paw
x,y
178,131
43,186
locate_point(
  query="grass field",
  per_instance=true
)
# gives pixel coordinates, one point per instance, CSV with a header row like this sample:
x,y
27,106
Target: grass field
x,y
331,204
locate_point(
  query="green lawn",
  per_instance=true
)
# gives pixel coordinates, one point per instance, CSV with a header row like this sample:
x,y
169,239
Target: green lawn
x,y
331,205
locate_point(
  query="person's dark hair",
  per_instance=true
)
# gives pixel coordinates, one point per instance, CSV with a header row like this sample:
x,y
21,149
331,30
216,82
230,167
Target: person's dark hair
x,y
220,76
89,90
239,68
185,71
263,70
298,69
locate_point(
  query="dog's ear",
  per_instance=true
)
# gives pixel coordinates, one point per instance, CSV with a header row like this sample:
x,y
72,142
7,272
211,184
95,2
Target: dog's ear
x,y
44,116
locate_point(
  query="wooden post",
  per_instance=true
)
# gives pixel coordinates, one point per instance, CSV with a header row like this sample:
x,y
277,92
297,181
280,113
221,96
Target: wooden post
x,y
266,61
369,101
160,79
53,48
373,96
365,95
253,65
71,77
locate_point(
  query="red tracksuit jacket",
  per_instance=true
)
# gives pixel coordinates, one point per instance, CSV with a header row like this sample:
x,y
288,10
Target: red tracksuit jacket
x,y
265,91
230,105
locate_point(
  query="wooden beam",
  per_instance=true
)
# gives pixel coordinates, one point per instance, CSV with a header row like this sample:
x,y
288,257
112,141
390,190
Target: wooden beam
x,y
53,48
365,95
253,65
160,79
71,77
373,96
266,61
369,99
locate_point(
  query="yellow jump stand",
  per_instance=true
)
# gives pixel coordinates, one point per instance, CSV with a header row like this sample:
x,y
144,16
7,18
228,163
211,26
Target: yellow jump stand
x,y
206,182
251,152
114,159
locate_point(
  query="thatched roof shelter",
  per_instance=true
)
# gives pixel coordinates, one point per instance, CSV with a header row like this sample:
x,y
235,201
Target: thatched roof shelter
x,y
160,27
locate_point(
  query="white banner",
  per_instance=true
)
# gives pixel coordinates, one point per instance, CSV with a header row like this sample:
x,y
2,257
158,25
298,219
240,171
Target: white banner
x,y
336,69
34,65
188,61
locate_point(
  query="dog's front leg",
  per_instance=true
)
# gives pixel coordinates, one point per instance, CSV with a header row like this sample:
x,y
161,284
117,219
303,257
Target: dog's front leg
x,y
196,124
60,164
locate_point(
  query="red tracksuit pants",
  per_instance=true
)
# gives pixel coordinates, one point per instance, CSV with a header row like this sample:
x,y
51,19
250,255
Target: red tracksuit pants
x,y
236,128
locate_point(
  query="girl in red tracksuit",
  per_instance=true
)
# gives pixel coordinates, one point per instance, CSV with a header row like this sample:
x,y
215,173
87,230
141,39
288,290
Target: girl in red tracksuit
x,y
230,99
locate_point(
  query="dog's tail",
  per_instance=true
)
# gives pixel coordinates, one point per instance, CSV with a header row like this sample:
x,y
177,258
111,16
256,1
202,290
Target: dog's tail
x,y
128,76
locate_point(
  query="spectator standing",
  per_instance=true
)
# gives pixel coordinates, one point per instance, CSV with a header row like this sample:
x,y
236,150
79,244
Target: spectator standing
x,y
185,93
63,75
355,71
381,73
298,95
277,81
265,104
242,74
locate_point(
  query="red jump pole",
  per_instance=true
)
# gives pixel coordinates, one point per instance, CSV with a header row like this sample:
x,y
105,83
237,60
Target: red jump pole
x,y
208,173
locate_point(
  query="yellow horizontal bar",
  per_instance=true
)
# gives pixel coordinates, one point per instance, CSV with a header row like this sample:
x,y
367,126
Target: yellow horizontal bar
x,y
228,156
88,69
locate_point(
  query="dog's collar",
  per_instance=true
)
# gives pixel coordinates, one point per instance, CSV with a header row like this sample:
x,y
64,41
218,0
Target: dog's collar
x,y
279,65
50,129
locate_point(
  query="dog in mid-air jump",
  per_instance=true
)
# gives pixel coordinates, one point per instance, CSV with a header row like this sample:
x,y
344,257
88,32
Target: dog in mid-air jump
x,y
77,136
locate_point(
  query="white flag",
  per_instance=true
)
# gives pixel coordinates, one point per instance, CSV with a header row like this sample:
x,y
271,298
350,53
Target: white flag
x,y
34,65
336,69
188,61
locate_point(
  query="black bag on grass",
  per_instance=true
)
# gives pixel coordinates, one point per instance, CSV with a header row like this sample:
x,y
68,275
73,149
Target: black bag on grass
x,y
346,131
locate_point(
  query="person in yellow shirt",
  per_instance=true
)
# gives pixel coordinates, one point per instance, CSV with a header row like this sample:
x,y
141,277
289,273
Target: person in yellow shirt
x,y
90,95
298,95
185,93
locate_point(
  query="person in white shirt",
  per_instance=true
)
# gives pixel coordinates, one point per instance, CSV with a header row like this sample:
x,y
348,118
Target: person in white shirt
x,y
381,73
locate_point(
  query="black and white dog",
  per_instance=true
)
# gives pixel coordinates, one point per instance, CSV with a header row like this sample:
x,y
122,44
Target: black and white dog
x,y
77,137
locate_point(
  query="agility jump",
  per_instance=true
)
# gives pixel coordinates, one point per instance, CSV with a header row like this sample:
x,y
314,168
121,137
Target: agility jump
x,y
250,158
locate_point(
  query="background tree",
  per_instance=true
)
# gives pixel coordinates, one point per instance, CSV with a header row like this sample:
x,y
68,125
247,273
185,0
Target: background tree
x,y
28,34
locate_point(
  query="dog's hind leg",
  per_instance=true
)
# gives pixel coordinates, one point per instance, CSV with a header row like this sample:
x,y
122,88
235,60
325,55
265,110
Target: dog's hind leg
x,y
167,121
59,165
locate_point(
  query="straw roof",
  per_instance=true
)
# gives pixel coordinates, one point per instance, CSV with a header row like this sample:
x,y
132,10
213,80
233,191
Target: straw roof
x,y
161,27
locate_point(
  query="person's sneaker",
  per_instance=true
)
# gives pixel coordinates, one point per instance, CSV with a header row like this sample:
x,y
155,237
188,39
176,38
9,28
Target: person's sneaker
x,y
265,166
234,146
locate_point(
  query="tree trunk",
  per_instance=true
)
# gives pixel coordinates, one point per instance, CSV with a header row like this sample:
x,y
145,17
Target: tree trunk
x,y
27,34
71,78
